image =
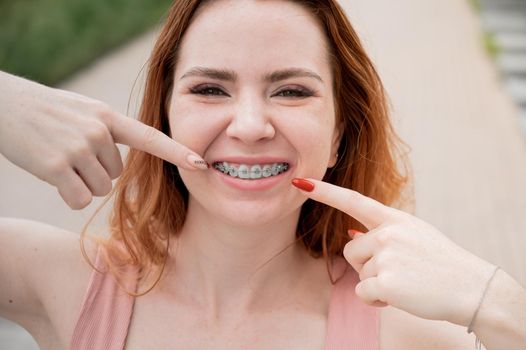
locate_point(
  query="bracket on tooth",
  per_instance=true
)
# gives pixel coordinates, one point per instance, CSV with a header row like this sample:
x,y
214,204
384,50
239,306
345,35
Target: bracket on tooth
x,y
265,172
281,167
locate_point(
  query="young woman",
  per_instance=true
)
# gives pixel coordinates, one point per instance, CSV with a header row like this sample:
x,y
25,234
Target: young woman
x,y
239,239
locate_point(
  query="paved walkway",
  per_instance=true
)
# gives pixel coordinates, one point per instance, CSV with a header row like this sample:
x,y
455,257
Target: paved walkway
x,y
468,155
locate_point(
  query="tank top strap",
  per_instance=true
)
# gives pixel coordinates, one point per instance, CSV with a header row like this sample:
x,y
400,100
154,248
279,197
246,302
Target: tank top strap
x,y
105,312
352,324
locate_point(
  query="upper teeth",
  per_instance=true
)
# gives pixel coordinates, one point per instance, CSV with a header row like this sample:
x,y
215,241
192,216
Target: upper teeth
x,y
255,171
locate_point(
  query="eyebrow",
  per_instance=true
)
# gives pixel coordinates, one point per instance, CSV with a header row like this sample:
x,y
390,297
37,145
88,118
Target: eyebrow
x,y
230,75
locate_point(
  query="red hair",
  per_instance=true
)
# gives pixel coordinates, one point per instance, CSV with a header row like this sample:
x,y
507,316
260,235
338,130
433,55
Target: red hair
x,y
151,199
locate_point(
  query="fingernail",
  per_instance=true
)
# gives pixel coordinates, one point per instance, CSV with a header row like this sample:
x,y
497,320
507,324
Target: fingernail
x,y
197,162
352,232
303,184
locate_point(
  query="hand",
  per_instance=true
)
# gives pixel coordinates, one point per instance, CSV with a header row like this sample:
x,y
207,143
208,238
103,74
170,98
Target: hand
x,y
404,262
68,140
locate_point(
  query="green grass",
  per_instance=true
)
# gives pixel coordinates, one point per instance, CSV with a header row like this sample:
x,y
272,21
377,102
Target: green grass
x,y
47,40
475,4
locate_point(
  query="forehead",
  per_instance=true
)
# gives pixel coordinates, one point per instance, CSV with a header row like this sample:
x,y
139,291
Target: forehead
x,y
253,36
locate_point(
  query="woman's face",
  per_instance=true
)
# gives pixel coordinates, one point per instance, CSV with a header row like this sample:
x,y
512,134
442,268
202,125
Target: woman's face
x,y
253,95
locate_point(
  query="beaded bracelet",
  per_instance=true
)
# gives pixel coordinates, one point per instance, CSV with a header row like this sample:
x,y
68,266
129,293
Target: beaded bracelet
x,y
478,343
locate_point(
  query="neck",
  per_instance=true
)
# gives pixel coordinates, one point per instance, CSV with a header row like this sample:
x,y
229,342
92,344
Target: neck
x,y
225,269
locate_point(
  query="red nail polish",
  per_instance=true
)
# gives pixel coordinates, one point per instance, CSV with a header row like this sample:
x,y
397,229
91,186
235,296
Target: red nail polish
x,y
352,233
303,184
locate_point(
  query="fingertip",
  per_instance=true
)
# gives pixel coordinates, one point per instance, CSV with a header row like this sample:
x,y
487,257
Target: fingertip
x,y
197,162
354,233
303,184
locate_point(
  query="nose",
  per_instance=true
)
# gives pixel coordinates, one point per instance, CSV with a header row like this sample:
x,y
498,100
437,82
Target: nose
x,y
250,122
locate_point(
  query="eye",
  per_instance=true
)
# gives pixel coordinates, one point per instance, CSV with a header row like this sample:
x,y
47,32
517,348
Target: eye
x,y
207,90
295,93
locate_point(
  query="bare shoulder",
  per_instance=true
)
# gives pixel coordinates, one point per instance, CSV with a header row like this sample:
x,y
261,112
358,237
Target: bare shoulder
x,y
401,330
46,277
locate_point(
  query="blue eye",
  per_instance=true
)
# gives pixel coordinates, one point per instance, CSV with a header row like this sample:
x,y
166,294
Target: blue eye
x,y
207,91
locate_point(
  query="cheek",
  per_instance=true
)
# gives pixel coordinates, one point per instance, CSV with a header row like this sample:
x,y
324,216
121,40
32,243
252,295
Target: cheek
x,y
193,127
311,136
310,131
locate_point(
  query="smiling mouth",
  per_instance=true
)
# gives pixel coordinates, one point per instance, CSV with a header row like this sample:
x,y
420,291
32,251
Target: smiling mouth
x,y
253,171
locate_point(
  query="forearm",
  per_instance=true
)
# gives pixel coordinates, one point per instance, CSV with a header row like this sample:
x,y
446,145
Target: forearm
x,y
501,321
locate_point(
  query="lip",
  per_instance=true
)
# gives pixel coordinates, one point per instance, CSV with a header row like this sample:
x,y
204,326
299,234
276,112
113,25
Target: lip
x,y
261,184
252,160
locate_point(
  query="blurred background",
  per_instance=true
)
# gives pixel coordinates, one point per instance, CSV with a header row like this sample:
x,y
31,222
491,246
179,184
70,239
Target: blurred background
x,y
455,72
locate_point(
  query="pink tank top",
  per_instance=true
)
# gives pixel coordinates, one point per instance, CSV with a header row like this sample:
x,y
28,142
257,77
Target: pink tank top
x,y
106,313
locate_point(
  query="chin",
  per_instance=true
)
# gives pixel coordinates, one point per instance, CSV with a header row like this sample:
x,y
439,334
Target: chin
x,y
243,209
254,213
247,213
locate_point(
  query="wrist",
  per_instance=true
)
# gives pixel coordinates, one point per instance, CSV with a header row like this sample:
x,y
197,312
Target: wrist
x,y
502,314
471,324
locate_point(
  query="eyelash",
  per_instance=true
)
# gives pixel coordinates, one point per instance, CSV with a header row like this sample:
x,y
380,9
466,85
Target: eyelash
x,y
202,90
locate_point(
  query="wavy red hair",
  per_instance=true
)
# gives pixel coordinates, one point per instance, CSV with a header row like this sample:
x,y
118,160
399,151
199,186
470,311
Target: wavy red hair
x,y
151,199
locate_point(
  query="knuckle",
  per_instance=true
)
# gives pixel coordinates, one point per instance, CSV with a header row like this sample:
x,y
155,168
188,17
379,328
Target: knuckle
x,y
98,132
57,167
82,150
390,236
383,259
150,136
384,237
101,110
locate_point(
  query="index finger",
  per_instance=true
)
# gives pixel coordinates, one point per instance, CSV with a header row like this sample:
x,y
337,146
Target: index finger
x,y
143,137
369,212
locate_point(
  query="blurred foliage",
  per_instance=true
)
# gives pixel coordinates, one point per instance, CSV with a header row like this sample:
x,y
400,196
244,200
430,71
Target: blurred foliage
x,y
475,4
46,40
491,45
